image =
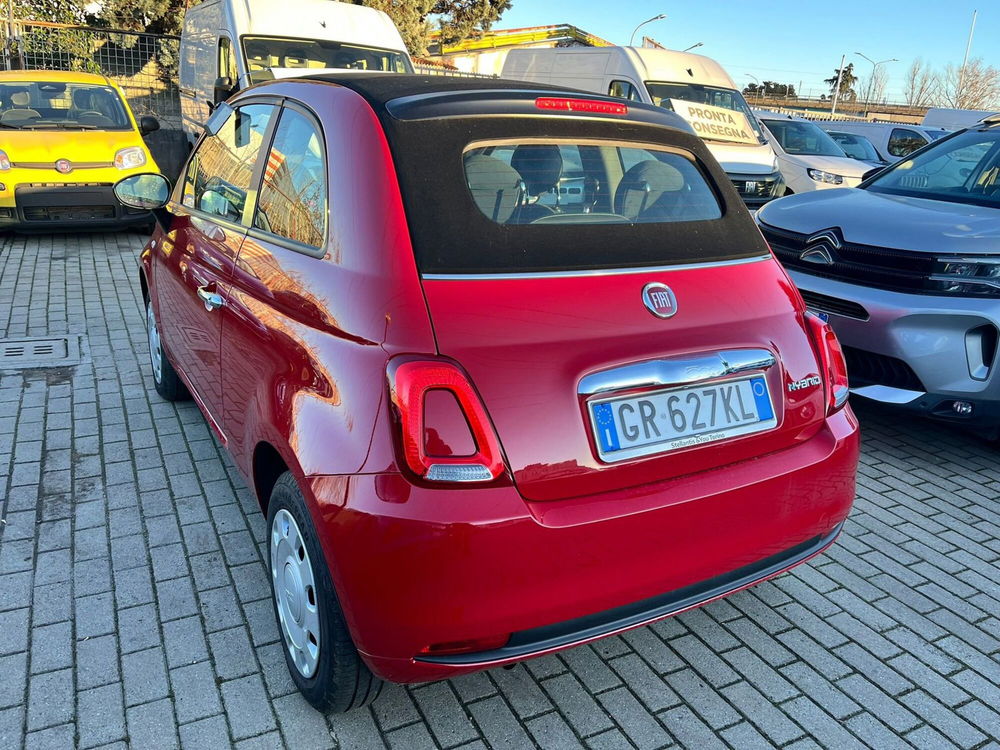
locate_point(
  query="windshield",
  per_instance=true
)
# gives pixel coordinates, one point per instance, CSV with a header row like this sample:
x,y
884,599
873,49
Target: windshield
x,y
714,96
264,53
961,169
802,138
856,146
52,105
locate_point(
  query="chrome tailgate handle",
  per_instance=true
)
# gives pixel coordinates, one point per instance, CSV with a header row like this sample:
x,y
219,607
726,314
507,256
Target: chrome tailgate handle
x,y
680,371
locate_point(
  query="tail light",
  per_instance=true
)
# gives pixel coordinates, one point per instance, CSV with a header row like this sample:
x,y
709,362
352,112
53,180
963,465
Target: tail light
x,y
446,433
4,161
832,362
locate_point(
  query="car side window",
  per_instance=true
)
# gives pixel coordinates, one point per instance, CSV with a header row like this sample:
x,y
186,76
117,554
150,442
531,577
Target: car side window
x,y
903,142
218,176
227,60
624,90
292,201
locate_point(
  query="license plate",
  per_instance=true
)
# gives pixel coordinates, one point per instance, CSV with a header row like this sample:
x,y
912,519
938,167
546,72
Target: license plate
x,y
671,419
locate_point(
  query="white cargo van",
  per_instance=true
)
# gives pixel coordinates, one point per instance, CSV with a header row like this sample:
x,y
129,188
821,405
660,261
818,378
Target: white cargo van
x,y
227,45
694,86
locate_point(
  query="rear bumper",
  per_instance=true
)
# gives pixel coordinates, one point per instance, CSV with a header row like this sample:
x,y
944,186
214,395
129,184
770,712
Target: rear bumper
x,y
51,205
415,567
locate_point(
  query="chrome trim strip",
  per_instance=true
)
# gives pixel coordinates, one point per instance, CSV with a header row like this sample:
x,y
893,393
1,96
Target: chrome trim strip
x,y
679,371
594,272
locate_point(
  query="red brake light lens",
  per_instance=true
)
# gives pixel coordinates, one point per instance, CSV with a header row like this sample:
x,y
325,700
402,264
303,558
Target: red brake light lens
x,y
4,162
581,105
832,362
435,450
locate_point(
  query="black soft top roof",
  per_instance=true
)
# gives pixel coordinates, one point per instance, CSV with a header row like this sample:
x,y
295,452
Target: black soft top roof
x,y
430,121
408,96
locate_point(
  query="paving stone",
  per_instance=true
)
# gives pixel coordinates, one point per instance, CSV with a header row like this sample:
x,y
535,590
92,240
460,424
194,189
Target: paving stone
x,y
196,695
145,676
247,706
206,733
152,726
101,715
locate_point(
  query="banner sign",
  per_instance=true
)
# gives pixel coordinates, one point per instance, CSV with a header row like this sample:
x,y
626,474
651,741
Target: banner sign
x,y
715,123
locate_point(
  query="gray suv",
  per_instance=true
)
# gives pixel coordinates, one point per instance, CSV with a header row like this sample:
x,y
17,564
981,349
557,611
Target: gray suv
x,y
907,267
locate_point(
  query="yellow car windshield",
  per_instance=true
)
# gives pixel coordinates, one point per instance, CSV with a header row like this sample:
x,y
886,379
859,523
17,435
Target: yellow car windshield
x,y
54,105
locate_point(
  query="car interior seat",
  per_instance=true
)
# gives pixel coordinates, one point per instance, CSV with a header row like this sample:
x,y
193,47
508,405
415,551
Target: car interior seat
x,y
540,166
497,188
20,112
651,191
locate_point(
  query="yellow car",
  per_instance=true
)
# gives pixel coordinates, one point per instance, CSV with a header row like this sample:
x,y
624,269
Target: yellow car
x,y
65,140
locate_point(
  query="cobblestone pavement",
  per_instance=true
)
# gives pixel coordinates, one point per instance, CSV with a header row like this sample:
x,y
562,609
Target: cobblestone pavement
x,y
134,602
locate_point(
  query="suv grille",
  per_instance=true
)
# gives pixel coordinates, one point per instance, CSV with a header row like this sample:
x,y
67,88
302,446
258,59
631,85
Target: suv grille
x,y
868,368
826,304
879,267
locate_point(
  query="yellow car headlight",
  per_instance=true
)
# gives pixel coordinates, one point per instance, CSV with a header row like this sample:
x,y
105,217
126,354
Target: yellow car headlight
x,y
130,158
4,162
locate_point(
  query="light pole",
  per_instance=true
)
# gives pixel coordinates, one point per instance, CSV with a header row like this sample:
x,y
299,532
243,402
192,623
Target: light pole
x,y
660,17
694,46
757,81
868,91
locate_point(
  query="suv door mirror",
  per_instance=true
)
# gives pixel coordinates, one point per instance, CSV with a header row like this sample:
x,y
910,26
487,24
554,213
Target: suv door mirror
x,y
148,124
871,173
223,89
146,191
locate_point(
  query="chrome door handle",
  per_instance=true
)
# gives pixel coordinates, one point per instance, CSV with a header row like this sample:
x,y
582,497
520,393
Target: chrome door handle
x,y
212,300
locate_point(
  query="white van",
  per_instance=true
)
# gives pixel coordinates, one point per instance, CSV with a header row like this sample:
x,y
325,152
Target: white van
x,y
694,86
227,45
955,119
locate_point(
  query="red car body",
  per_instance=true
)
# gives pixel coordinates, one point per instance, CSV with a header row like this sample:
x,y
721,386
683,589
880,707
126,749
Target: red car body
x,y
436,579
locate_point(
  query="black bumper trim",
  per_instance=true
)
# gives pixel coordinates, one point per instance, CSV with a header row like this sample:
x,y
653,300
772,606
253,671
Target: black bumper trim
x,y
562,634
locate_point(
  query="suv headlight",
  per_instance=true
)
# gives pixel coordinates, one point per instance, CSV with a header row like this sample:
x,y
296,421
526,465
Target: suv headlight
x,y
828,177
130,158
967,276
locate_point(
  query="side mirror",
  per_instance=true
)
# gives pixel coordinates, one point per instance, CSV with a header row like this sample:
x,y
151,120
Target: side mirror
x,y
222,89
871,173
148,124
145,191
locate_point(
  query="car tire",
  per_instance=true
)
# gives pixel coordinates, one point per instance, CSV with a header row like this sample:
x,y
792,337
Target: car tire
x,y
319,652
168,383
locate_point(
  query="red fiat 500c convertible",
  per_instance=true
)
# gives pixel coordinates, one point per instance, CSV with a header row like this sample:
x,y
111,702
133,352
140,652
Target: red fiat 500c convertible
x,y
509,368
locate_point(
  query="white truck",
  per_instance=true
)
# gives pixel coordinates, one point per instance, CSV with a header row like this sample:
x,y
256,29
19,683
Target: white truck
x,y
694,86
227,45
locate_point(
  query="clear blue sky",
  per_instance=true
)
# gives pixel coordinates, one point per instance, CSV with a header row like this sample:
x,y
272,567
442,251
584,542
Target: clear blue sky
x,y
784,40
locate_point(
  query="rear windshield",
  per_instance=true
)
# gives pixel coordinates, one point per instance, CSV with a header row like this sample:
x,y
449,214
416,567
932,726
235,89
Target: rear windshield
x,y
502,194
540,182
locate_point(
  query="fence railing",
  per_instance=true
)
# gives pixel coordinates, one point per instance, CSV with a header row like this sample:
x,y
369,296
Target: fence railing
x,y
440,70
144,65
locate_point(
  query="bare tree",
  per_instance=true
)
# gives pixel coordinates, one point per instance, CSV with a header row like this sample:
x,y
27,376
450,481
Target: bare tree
x,y
974,86
874,85
921,85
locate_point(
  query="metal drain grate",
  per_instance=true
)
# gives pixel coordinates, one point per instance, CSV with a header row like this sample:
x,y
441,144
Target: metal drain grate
x,y
58,351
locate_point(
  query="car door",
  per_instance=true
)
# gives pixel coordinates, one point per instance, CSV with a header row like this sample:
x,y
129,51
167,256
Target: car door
x,y
273,337
193,268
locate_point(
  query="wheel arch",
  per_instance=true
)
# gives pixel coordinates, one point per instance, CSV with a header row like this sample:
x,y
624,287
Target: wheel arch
x,y
266,466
